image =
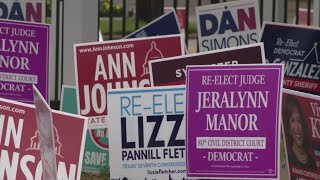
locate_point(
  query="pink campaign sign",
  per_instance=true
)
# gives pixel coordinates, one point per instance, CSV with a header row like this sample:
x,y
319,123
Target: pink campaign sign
x,y
19,142
115,65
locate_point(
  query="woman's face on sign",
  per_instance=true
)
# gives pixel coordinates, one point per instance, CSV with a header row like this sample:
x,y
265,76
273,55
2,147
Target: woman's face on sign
x,y
296,129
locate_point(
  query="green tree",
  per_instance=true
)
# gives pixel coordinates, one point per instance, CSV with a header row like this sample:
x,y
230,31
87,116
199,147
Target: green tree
x,y
48,8
105,8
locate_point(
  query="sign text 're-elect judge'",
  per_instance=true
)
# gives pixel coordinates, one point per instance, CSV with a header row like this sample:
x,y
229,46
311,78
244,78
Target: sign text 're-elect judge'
x,y
233,121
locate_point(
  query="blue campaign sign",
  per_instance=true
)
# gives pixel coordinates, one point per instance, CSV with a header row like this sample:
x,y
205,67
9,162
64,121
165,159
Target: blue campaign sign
x,y
297,47
166,24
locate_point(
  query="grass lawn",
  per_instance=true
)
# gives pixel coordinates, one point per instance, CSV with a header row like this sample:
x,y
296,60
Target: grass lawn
x,y
104,175
90,176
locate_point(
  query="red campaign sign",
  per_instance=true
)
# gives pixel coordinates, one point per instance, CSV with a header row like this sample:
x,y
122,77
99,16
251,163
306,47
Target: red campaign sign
x,y
301,129
303,16
114,65
301,84
19,142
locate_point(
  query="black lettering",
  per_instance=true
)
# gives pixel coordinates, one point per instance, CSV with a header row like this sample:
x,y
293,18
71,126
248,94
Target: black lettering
x,y
204,45
173,141
141,133
153,142
125,143
253,37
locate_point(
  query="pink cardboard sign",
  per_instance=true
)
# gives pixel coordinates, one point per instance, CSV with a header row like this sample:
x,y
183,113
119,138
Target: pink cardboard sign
x,y
19,142
114,65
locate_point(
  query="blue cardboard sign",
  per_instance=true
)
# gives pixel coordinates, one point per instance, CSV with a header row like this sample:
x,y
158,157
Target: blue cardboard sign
x,y
297,47
166,24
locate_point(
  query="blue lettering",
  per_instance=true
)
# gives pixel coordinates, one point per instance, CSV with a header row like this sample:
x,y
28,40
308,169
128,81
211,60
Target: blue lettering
x,y
176,102
154,104
207,31
21,11
4,10
166,105
124,107
135,105
227,23
16,12
210,24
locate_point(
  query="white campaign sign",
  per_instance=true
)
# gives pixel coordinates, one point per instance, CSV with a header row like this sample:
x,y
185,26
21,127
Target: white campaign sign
x,y
46,137
228,24
147,133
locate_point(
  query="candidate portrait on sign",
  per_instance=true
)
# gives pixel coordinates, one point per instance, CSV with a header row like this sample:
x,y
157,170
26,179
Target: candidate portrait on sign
x,y
297,136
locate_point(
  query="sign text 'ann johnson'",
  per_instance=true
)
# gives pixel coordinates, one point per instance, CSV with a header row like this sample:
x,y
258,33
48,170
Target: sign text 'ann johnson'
x,y
10,163
120,71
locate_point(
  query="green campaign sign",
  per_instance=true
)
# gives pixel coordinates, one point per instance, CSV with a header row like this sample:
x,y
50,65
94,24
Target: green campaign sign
x,y
96,151
69,99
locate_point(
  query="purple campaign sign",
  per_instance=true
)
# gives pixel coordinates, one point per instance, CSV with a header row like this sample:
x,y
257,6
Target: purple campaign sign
x,y
24,59
233,121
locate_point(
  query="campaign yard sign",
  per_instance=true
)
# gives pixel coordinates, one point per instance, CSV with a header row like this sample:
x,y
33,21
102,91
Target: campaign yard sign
x,y
166,24
301,129
96,150
172,71
228,24
46,136
19,142
181,13
68,101
147,133
24,60
30,10
297,48
116,64
233,121
303,17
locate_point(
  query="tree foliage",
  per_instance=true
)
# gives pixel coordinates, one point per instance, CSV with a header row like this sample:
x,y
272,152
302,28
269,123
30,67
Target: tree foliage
x,y
105,8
